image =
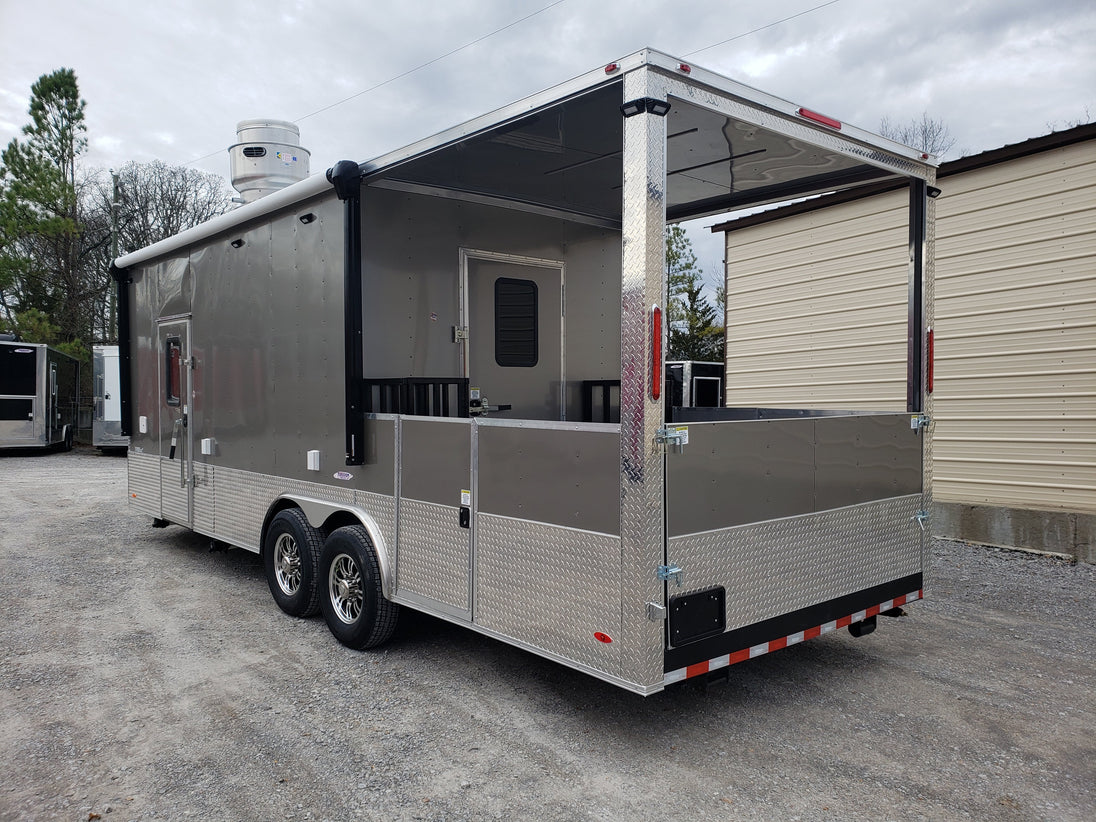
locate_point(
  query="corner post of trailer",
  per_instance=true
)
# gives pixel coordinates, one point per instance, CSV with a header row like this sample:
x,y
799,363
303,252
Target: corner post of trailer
x,y
346,176
122,281
642,480
922,219
915,337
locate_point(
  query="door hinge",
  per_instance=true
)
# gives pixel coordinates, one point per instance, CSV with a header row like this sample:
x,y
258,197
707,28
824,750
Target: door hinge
x,y
919,421
459,333
668,572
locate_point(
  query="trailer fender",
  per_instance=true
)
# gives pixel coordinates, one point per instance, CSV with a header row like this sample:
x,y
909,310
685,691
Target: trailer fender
x,y
318,512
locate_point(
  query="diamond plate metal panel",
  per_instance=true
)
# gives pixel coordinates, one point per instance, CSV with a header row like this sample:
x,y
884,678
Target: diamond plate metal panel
x,y
641,458
928,286
433,554
383,510
773,567
174,493
205,506
242,499
144,483
551,588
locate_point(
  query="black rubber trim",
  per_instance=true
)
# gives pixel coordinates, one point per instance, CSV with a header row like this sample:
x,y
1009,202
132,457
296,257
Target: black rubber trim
x,y
125,378
346,176
790,623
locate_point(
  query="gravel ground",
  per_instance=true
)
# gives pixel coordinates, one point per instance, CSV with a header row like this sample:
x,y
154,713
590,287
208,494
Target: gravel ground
x,y
144,677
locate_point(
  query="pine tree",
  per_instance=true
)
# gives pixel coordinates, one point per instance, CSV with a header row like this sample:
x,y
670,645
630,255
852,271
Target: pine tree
x,y
694,333
42,264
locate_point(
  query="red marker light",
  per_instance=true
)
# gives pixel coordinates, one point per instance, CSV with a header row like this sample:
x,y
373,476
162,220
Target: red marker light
x,y
814,116
656,352
684,67
609,69
600,637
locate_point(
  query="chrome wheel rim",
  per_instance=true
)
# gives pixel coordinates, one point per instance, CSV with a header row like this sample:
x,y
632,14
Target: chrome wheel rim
x,y
344,586
287,564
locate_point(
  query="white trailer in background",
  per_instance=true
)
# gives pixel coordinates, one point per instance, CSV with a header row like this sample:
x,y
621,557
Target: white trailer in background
x,y
435,380
106,422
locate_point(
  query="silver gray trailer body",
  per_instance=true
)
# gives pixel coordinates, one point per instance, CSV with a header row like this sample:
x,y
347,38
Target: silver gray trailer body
x,y
399,354
106,421
39,390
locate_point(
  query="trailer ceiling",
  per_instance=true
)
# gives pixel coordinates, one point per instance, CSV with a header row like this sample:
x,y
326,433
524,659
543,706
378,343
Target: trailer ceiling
x,y
568,157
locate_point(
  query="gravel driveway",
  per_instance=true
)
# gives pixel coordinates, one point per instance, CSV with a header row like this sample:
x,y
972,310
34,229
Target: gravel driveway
x,y
144,677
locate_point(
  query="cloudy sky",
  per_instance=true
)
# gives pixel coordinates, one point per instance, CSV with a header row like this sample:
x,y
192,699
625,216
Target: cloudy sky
x,y
170,79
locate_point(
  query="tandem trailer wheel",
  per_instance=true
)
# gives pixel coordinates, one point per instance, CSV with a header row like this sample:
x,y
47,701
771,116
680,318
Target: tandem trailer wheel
x,y
291,559
352,600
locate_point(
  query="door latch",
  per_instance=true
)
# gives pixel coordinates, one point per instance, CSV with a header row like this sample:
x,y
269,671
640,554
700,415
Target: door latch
x,y
921,517
668,572
919,421
675,439
656,611
174,438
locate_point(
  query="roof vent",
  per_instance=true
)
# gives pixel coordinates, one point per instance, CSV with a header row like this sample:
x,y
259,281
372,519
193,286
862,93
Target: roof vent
x,y
266,157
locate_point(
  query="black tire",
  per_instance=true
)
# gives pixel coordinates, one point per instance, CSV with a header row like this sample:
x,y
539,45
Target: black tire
x,y
291,557
352,600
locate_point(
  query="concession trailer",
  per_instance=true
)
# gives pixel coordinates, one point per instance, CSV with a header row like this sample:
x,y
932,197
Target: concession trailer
x,y
39,392
434,380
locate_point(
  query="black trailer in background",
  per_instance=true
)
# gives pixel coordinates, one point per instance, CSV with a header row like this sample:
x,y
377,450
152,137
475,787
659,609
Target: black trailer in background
x,y
39,394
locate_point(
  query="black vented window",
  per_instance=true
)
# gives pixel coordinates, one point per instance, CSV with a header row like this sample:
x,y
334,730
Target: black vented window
x,y
254,151
515,323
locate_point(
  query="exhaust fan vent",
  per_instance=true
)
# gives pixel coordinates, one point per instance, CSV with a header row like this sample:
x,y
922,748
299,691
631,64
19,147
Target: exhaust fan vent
x,y
266,157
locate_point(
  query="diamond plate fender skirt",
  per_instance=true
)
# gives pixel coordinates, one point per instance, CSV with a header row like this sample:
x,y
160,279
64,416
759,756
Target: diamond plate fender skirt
x,y
318,512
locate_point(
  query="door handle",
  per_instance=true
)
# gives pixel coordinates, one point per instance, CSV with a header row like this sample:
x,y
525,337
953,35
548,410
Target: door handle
x,y
174,438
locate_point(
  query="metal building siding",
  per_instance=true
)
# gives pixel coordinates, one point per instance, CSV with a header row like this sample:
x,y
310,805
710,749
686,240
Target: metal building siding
x,y
1016,333
1015,290
817,308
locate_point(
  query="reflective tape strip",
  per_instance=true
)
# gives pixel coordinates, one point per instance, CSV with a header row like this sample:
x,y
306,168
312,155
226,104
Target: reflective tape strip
x,y
698,668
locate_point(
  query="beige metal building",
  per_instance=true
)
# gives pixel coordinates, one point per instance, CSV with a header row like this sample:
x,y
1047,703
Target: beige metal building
x,y
1014,406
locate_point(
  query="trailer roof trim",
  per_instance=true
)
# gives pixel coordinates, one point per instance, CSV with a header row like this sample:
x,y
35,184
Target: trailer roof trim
x,y
729,146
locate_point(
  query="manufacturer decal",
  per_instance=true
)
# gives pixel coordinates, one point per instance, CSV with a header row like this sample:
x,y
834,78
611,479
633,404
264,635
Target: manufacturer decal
x,y
343,475
24,350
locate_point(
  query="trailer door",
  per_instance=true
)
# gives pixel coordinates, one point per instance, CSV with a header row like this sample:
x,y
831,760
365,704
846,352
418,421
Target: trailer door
x,y
513,315
52,413
18,393
176,395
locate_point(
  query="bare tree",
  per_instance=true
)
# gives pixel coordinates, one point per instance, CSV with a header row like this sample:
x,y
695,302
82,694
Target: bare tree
x,y
929,135
1073,122
150,202
158,201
